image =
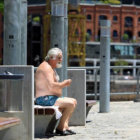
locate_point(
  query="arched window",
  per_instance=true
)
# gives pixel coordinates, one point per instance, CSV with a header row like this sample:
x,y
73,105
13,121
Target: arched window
x,y
88,17
128,22
127,1
89,31
129,33
2,35
76,32
137,2
115,33
115,18
139,34
88,35
102,17
139,19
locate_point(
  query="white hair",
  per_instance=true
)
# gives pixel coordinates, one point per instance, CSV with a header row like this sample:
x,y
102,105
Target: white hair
x,y
53,52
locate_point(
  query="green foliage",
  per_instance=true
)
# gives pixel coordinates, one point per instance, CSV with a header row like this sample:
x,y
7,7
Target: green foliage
x,y
121,63
2,6
125,36
36,19
134,41
111,1
88,37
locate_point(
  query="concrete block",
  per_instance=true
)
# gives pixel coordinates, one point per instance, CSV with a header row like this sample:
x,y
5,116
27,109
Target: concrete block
x,y
77,90
41,123
24,131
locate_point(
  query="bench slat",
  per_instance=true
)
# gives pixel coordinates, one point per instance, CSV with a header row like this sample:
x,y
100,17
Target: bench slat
x,y
8,122
44,111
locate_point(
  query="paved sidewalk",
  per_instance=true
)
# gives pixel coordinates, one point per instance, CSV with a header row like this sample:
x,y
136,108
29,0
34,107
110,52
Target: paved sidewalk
x,y
121,123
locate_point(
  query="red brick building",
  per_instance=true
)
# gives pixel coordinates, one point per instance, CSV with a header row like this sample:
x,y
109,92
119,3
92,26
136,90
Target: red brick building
x,y
124,20
125,24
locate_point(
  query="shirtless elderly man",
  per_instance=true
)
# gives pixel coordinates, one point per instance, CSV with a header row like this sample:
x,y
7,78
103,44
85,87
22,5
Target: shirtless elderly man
x,y
49,90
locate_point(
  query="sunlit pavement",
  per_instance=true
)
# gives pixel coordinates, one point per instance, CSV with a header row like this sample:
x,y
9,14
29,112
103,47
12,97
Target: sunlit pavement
x,y
121,123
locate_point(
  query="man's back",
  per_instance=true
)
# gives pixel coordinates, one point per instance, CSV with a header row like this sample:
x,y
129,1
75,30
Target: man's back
x,y
41,79
45,79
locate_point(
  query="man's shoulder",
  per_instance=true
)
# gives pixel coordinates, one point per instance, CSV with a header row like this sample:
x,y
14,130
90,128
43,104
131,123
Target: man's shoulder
x,y
44,66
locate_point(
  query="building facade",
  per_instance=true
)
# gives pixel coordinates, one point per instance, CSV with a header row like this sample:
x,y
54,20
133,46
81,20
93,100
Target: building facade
x,y
125,28
125,21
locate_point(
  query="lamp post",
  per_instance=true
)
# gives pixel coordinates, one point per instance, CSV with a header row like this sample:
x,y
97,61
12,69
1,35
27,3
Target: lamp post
x,y
24,32
57,32
65,43
137,99
105,66
14,52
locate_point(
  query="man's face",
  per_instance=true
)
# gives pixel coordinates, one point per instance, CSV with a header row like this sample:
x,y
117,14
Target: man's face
x,y
59,59
56,61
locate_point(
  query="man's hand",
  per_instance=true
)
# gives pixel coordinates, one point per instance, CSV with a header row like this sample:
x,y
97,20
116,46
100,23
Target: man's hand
x,y
68,82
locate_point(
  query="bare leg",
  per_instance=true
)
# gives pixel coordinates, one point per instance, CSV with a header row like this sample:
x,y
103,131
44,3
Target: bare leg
x,y
67,105
67,121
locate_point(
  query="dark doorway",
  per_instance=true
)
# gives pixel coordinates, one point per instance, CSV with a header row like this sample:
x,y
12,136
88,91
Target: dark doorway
x,y
34,40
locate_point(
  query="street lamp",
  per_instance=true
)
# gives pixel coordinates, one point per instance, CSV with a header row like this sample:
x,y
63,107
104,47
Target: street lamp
x,y
105,66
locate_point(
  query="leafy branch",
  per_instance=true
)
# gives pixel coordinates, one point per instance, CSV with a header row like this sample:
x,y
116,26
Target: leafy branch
x,y
2,6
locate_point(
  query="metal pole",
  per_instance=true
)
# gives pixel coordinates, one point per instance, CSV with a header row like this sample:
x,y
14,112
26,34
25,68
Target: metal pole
x,y
95,84
137,99
65,44
12,32
57,30
24,32
105,66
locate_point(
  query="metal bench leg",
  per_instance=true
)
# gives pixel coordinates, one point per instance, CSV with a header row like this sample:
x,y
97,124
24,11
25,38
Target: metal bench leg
x,y
51,126
88,109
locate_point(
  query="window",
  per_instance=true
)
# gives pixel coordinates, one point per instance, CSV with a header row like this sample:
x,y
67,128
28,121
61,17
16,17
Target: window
x,y
127,1
139,19
129,33
76,32
139,34
128,21
88,17
2,35
115,18
137,2
102,17
89,31
88,35
115,33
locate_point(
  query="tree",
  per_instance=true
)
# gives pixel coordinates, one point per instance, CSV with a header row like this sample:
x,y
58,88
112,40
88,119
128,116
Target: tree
x,y
2,6
120,62
125,37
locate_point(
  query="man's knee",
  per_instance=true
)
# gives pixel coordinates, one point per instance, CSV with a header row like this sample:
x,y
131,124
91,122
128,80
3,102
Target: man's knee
x,y
69,102
75,102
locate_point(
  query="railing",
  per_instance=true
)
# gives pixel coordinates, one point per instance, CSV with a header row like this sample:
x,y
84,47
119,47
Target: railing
x,y
96,78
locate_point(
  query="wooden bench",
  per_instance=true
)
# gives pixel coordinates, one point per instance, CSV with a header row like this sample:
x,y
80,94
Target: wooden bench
x,y
8,122
89,104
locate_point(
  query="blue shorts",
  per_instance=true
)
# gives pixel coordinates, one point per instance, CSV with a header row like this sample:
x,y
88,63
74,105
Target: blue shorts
x,y
48,100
